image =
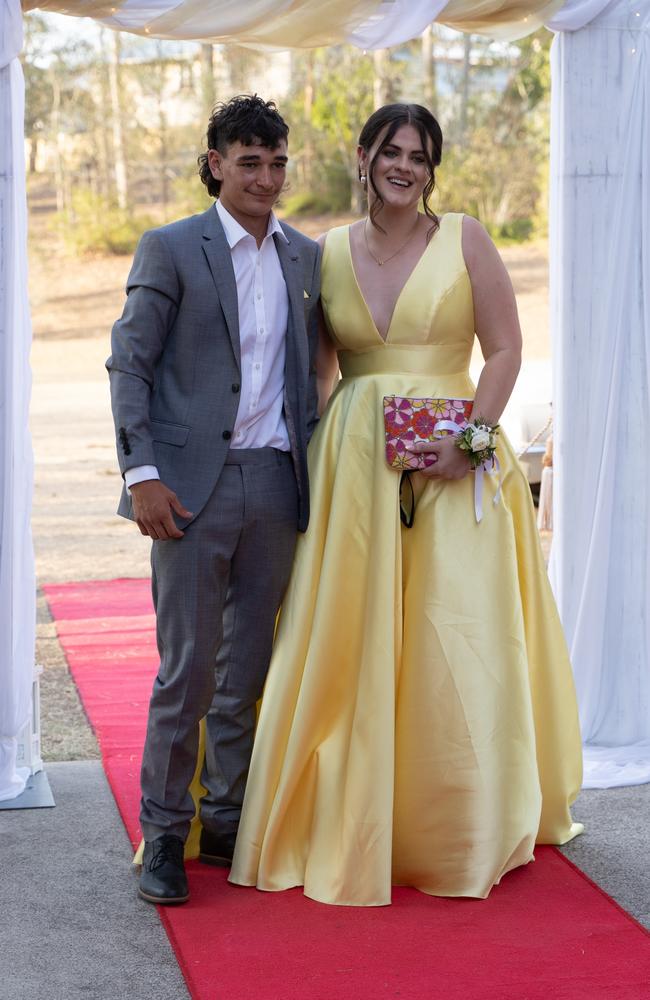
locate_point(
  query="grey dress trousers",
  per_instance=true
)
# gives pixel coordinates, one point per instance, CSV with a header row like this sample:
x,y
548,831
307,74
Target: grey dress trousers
x,y
175,371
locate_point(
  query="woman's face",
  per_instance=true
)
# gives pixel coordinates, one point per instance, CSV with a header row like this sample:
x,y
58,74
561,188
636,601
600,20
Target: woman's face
x,y
401,172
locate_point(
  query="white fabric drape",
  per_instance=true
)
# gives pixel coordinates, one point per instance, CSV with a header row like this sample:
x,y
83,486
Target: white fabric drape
x,y
273,23
600,317
368,24
17,592
396,21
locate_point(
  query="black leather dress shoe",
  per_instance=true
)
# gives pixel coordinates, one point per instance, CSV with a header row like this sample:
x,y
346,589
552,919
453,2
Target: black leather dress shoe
x,y
217,849
163,879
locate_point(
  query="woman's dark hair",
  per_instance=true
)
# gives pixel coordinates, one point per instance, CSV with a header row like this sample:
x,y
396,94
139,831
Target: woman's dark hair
x,y
390,118
246,119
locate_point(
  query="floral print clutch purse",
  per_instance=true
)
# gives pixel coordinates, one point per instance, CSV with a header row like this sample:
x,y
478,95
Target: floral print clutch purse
x,y
408,420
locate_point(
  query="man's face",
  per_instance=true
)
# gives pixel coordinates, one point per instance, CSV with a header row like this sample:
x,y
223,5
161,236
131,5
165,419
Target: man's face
x,y
252,177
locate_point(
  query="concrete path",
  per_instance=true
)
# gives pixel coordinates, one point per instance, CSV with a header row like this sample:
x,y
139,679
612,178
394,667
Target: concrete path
x,y
613,850
72,924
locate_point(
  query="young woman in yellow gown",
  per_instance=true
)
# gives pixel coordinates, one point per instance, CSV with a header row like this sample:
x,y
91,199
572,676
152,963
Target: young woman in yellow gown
x,y
419,724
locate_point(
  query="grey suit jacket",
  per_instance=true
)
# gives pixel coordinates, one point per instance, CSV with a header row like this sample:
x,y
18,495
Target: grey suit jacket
x,y
175,363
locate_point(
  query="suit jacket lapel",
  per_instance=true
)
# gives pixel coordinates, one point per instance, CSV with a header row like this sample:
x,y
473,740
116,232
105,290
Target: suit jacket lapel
x,y
293,276
217,252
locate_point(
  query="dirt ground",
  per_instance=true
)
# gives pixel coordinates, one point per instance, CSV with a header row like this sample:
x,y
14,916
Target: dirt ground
x,y
77,535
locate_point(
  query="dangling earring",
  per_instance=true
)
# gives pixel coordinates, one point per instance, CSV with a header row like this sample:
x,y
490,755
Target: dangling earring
x,y
362,178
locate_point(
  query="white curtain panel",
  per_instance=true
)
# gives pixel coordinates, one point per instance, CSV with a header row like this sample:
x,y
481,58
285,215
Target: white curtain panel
x,y
17,588
11,31
600,317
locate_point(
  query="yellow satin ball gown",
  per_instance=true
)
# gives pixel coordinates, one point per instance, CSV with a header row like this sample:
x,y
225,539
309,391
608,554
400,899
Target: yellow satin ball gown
x,y
419,723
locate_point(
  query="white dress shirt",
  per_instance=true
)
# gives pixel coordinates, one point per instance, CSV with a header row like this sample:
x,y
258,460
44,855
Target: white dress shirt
x,y
263,306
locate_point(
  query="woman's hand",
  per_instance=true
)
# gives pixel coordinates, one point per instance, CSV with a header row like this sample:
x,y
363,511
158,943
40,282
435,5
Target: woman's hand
x,y
451,462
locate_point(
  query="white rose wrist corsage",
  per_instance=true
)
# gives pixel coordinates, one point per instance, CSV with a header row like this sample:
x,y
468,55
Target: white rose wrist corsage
x,y
479,442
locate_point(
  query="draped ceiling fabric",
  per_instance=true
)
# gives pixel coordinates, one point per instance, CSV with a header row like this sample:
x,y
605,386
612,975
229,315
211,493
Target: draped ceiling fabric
x,y
17,611
600,309
600,228
308,23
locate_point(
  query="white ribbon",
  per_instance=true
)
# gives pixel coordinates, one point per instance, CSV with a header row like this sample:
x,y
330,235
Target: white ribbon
x,y
490,465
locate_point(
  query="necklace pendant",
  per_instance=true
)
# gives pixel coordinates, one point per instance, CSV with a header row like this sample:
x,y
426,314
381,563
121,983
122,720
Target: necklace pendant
x,y
381,263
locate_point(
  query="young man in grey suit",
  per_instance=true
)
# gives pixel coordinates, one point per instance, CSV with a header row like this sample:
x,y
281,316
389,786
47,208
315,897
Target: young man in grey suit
x,y
213,389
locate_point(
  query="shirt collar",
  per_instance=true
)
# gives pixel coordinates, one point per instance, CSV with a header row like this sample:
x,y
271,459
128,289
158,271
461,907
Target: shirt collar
x,y
235,232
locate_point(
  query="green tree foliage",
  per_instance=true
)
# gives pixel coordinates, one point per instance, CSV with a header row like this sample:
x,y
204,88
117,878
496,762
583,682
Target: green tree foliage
x,y
343,81
55,96
498,173
492,100
496,144
94,224
38,89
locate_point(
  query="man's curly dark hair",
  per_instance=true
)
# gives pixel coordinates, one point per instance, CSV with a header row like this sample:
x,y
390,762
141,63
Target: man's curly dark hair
x,y
247,119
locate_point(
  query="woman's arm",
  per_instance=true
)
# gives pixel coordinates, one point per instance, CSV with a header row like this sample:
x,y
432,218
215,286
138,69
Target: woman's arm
x,y
497,328
495,321
327,362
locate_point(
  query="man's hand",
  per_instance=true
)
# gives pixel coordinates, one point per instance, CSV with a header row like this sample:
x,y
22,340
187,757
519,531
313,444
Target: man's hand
x,y
451,462
153,503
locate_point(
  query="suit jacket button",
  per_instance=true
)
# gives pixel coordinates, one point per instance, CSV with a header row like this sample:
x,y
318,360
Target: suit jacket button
x,y
226,435
235,387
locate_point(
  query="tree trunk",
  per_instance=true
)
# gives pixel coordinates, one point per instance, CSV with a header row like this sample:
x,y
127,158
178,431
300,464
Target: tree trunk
x,y
307,107
207,79
106,157
164,158
33,152
381,83
429,70
121,182
464,90
59,179
357,194
236,58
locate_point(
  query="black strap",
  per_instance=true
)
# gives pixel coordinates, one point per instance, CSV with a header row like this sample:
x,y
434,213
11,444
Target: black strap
x,y
406,507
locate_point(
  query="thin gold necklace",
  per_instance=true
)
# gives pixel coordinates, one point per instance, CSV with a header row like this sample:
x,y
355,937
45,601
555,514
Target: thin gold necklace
x,y
386,259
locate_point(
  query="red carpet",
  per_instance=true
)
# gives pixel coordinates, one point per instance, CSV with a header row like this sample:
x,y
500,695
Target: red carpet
x,y
546,933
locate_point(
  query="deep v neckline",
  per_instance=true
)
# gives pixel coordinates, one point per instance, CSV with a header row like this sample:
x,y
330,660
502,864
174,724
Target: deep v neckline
x,y
384,340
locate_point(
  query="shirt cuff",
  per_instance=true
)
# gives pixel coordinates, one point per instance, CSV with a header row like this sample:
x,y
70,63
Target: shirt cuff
x,y
138,474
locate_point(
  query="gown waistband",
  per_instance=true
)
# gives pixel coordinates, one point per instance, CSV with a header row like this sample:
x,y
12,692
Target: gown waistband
x,y
424,359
